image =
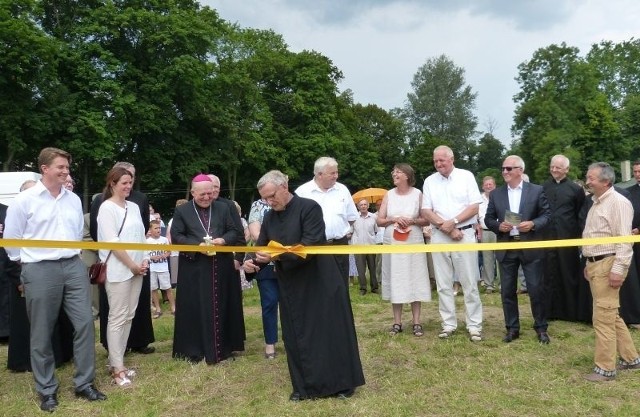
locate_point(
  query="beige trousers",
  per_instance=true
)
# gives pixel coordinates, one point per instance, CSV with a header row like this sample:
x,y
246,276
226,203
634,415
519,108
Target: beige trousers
x,y
612,334
123,301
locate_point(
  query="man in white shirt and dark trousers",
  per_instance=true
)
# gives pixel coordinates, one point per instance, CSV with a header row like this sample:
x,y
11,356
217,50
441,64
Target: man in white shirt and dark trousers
x,y
54,277
364,233
338,209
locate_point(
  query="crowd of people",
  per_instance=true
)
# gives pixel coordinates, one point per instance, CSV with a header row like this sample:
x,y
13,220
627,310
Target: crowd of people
x,y
51,308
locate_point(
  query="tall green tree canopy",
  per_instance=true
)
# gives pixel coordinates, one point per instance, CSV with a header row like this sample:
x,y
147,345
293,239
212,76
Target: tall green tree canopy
x,y
562,109
441,107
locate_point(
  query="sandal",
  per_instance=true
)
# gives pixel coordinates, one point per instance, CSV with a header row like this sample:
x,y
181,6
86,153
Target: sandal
x,y
417,330
395,329
157,314
120,379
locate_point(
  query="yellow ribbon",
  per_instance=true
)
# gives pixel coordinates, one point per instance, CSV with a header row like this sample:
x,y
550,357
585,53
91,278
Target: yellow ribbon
x,y
277,249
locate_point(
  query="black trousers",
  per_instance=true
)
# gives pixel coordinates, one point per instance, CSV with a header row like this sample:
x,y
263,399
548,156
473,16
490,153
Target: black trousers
x,y
533,276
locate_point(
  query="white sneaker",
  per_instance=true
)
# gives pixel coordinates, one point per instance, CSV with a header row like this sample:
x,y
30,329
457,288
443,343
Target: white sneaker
x,y
445,334
475,336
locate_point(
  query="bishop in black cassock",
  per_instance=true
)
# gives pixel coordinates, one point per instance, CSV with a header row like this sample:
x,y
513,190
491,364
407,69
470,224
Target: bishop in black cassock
x,y
209,321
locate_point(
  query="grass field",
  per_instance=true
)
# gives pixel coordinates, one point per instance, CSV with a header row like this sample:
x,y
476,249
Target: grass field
x,y
406,376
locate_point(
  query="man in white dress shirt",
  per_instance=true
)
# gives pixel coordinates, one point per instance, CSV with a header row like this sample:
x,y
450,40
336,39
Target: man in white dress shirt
x,y
52,277
338,209
450,203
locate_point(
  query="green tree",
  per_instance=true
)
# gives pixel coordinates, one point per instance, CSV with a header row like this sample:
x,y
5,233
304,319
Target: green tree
x,y
441,105
301,92
560,109
27,75
370,137
617,66
629,119
490,153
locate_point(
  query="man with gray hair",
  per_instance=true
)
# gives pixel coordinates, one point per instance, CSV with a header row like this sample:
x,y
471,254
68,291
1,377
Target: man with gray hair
x,y
315,310
607,266
338,209
450,202
562,265
518,211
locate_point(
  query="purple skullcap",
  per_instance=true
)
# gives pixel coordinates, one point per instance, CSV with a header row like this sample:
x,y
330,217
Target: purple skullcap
x,y
201,178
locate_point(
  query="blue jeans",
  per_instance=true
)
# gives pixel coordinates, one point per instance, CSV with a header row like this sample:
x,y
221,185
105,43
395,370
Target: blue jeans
x,y
269,295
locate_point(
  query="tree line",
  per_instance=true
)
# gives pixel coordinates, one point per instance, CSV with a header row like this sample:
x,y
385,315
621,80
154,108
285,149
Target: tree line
x,y
175,89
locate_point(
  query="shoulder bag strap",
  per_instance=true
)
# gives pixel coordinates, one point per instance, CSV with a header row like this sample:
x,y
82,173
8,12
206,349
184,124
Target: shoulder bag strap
x,y
126,210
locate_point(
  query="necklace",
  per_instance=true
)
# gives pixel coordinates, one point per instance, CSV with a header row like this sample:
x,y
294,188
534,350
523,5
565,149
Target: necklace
x,y
207,237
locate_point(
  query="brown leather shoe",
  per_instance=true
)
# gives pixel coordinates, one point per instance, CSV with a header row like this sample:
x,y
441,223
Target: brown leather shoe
x,y
595,377
511,336
627,367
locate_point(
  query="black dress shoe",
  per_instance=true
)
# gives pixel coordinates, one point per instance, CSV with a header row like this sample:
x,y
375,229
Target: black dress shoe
x,y
48,402
375,291
544,338
90,393
344,394
511,336
295,397
144,350
363,292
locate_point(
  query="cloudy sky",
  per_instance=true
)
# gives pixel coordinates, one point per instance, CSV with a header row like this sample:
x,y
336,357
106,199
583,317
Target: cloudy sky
x,y
380,44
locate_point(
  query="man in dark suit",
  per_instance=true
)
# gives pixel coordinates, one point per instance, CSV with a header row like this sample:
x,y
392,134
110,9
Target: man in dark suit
x,y
634,196
141,327
517,211
4,284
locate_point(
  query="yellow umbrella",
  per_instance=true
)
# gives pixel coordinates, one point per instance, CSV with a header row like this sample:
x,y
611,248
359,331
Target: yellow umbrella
x,y
372,195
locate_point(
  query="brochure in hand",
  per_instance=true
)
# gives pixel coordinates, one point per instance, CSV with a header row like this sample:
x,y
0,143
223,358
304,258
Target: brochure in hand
x,y
512,217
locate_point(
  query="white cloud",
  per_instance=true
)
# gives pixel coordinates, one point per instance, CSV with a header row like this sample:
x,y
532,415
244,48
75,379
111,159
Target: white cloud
x,y
379,44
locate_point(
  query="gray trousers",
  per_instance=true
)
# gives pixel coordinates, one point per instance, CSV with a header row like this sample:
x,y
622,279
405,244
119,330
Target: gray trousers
x,y
47,286
362,262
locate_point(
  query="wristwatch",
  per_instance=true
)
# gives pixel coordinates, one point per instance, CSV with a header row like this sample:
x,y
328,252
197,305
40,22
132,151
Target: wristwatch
x,y
455,220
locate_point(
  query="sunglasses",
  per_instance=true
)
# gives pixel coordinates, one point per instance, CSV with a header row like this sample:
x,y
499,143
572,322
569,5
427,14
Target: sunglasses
x,y
509,169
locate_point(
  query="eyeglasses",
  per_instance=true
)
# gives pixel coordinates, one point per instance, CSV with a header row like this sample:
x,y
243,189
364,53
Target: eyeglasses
x,y
509,169
270,197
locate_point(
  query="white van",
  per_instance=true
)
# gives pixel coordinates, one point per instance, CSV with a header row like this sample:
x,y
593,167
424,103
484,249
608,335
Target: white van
x,y
10,183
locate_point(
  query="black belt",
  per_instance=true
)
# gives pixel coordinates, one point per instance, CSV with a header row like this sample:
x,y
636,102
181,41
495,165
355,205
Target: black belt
x,y
57,260
339,240
514,237
599,257
469,226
